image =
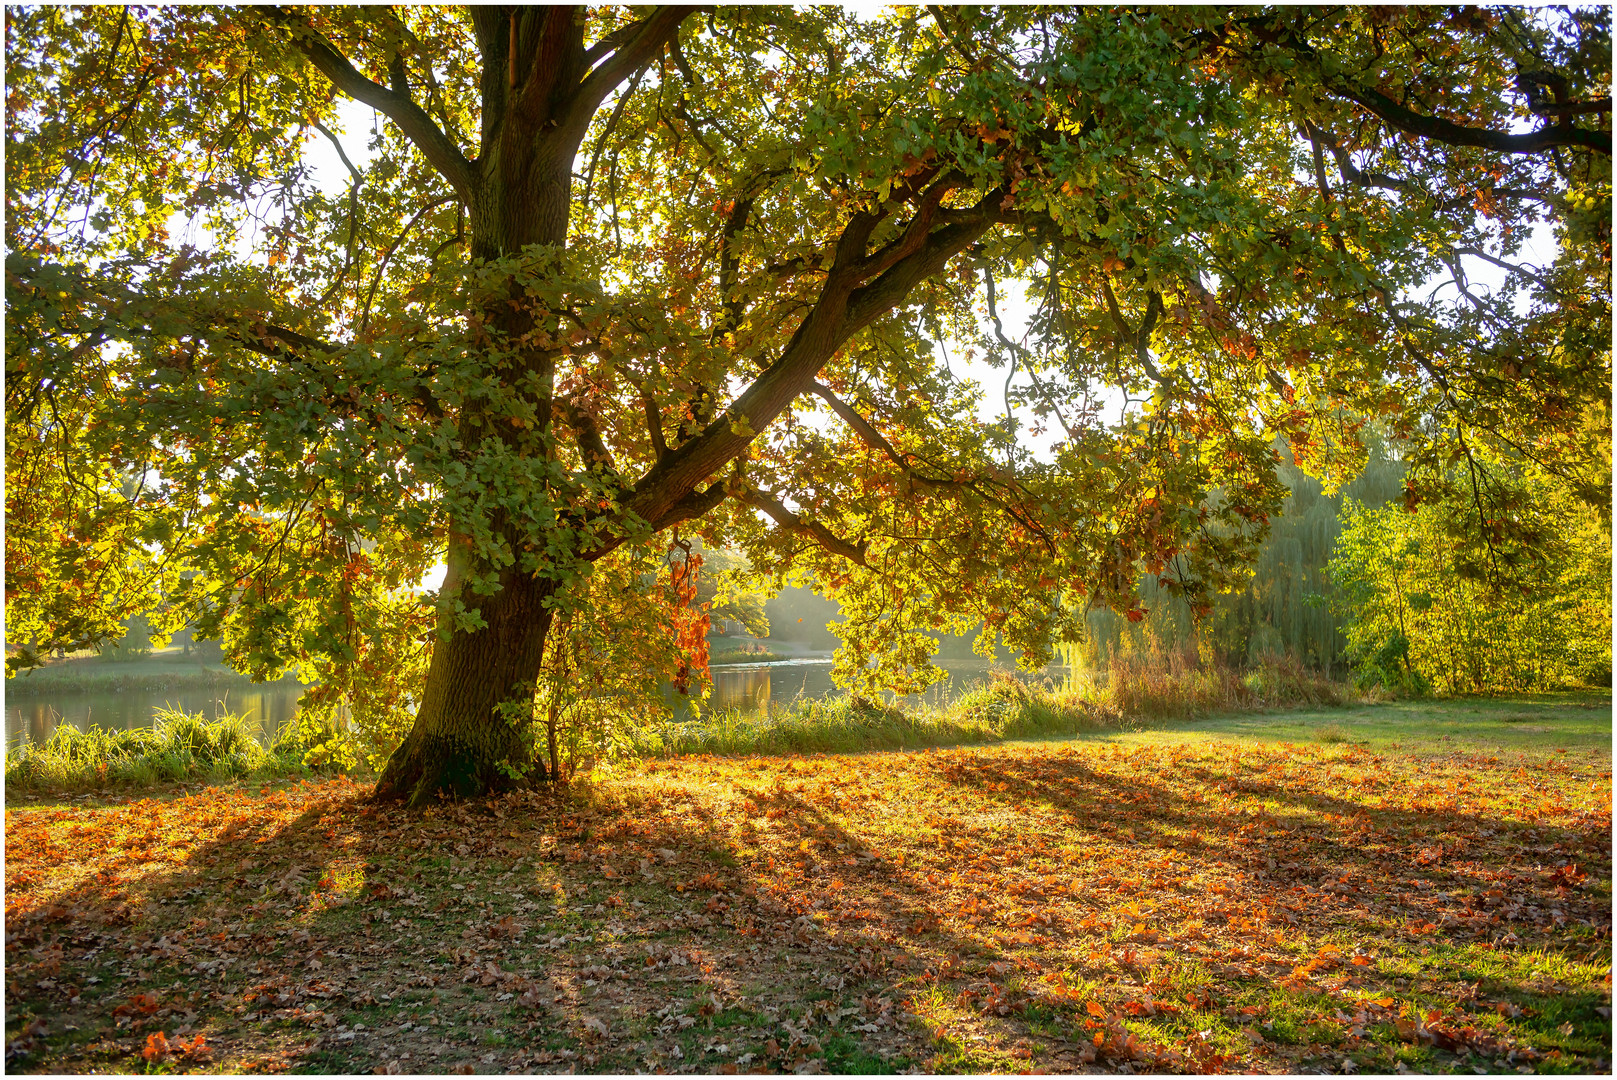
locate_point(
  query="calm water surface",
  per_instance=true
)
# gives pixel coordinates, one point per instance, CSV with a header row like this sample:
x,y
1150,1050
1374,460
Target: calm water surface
x,y
269,708
749,686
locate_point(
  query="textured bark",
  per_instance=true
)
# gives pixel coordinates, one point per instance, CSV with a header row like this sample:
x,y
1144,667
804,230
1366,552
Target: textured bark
x,y
461,743
461,740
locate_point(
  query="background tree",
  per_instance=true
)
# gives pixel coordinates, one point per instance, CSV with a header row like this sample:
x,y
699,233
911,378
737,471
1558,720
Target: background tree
x,y
1280,610
726,589
602,265
1423,611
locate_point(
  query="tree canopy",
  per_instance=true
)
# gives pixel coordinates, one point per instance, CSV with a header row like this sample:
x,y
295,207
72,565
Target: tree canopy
x,y
609,278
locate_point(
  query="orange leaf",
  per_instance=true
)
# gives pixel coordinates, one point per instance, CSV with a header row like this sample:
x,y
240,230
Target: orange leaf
x,y
156,1046
1096,1010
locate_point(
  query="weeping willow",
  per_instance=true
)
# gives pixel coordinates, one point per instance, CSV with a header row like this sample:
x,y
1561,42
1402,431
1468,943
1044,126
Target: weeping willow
x,y
1279,613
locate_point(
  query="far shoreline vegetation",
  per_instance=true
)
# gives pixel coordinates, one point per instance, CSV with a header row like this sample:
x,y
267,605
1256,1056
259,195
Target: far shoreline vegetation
x,y
746,654
1133,694
169,670
157,673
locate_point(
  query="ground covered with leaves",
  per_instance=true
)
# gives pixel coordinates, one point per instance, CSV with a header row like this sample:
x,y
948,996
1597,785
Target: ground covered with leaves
x,y
1179,900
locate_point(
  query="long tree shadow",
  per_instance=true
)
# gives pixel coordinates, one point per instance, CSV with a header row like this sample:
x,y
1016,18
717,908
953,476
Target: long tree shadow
x,y
1364,856
235,918
540,927
285,928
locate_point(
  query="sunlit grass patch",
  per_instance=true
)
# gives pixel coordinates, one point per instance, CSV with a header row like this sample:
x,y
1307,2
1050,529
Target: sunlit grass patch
x,y
1227,903
837,724
177,747
1003,707
341,883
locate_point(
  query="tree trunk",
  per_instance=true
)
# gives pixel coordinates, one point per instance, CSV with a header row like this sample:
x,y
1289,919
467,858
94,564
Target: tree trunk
x,y
461,744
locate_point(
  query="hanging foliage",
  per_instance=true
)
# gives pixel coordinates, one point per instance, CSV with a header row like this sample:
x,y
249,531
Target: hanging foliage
x,y
689,620
609,272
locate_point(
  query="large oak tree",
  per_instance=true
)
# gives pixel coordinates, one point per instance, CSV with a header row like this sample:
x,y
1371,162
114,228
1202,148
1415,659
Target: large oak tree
x,y
605,277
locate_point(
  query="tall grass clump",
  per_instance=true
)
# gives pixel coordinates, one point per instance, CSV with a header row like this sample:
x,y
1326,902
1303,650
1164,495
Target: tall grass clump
x,y
1174,687
1007,707
1331,733
178,746
1283,682
803,726
1133,690
1004,707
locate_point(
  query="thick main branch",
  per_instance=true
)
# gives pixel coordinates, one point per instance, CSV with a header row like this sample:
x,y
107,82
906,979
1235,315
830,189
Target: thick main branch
x,y
399,107
1447,131
840,312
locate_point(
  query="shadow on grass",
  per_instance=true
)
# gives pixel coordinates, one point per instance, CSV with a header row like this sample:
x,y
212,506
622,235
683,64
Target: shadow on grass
x,y
284,923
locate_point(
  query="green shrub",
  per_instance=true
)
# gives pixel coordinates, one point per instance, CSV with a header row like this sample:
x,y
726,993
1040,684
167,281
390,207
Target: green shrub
x,y
1431,608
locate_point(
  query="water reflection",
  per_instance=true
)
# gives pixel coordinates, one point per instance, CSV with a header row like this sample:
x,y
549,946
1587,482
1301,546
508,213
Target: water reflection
x,y
755,687
268,708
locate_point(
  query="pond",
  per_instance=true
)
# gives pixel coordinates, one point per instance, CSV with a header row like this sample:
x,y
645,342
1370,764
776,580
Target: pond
x,y
269,707
747,686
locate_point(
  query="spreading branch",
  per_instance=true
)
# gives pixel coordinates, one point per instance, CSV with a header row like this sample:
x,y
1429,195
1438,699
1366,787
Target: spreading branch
x,y
694,505
875,439
353,214
1572,108
270,331
654,424
840,312
1141,337
1510,267
1351,173
915,233
782,516
1440,130
729,265
417,126
387,257
591,446
1436,128
640,42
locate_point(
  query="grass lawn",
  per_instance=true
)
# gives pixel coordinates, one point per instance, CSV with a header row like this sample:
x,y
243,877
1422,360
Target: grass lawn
x,y
1417,886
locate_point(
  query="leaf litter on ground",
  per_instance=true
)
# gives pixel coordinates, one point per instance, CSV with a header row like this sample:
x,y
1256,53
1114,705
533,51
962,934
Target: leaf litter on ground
x,y
1168,905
